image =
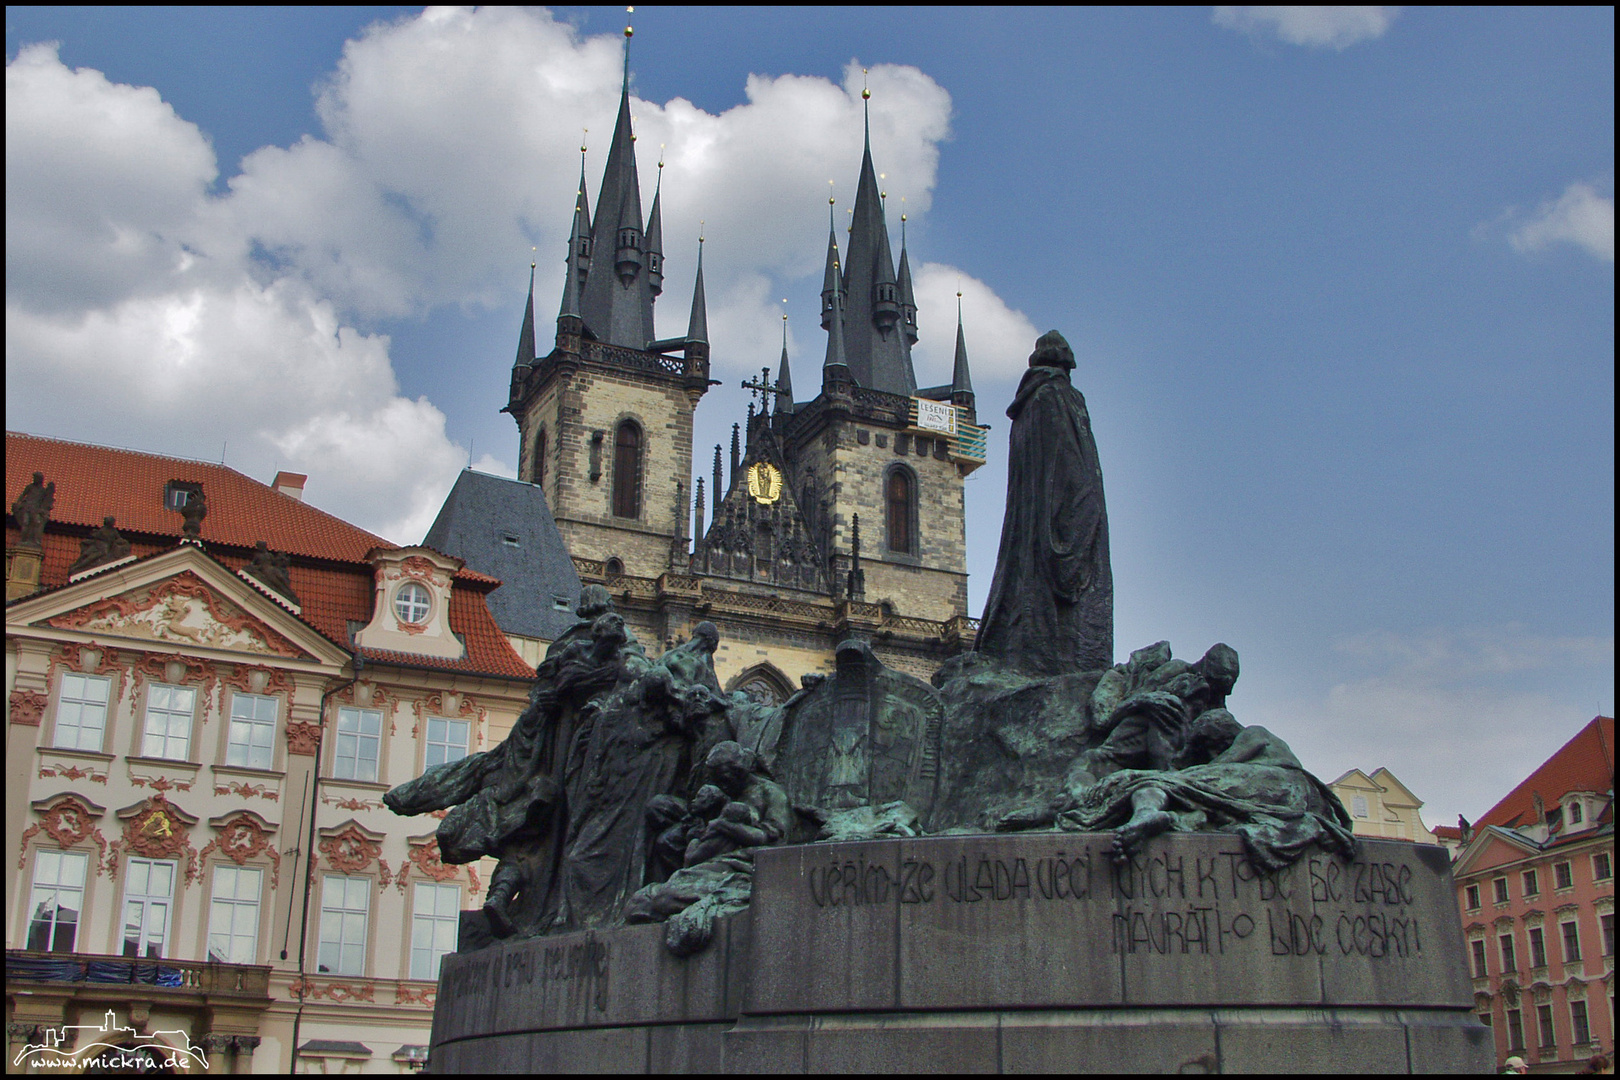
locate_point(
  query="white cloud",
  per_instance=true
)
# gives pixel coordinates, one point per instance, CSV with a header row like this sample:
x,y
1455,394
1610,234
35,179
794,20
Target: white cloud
x,y
1318,27
999,339
1433,699
1579,216
185,319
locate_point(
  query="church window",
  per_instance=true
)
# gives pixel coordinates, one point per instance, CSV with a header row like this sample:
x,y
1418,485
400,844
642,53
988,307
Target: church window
x,y
627,471
538,475
615,567
411,603
901,498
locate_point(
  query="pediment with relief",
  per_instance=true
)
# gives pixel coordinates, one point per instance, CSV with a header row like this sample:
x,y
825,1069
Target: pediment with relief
x,y
180,610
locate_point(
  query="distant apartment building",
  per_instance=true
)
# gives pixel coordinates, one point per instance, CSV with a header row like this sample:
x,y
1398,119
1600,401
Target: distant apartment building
x,y
1535,881
1381,807
200,729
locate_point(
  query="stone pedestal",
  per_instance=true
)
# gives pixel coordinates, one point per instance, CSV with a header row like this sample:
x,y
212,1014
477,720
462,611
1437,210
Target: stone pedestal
x,y
1021,953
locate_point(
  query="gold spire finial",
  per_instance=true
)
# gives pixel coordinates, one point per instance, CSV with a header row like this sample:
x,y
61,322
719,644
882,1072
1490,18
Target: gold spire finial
x,y
660,155
629,31
866,94
700,231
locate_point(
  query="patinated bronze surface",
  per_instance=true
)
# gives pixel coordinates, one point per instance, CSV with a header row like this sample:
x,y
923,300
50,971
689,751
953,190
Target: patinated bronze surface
x,y
1051,606
635,790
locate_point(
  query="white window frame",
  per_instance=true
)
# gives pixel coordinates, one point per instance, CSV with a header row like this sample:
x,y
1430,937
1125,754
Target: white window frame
x,y
1602,866
1530,882
440,740
233,914
1563,939
1358,807
408,608
1568,869
158,738
51,886
345,918
252,738
351,733
1508,950
146,902
1499,890
1538,957
1547,1036
72,703
435,918
1471,897
1477,958
1577,1020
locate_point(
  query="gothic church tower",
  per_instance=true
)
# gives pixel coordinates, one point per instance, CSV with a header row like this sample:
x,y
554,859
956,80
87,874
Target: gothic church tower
x,y
605,418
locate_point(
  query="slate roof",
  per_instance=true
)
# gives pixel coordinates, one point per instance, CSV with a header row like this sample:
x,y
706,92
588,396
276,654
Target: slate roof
x,y
480,518
329,569
1585,763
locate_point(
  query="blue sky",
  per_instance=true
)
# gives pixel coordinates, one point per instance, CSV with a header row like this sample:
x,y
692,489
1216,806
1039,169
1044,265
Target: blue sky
x,y
1340,284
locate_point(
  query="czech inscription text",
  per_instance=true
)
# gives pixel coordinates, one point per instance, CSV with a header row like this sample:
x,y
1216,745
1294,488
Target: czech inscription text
x,y
1162,902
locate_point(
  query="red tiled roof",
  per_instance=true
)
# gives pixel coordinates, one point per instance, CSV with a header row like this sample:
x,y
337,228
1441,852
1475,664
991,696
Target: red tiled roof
x,y
1447,832
333,579
94,481
1585,763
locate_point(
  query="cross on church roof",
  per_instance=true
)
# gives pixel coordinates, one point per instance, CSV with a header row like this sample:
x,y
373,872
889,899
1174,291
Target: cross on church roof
x,y
763,388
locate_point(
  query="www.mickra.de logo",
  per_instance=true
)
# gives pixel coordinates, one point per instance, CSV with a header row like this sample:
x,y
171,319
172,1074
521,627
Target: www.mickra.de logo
x,y
110,1046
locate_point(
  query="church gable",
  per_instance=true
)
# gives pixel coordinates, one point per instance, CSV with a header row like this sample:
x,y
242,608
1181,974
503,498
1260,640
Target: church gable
x,y
759,532
179,610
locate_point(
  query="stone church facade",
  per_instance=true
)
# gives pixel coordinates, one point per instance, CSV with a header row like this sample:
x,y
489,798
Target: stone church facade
x,y
841,515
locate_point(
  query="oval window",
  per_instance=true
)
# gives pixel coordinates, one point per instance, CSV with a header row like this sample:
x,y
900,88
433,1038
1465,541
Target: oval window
x,y
411,603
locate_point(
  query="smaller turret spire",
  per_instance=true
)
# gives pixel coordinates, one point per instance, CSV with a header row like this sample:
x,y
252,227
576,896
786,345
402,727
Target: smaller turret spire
x,y
716,491
736,445
655,234
837,364
525,352
697,328
784,378
961,384
832,282
908,299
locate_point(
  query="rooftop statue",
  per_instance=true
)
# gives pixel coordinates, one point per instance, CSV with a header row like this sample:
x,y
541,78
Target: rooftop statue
x,y
32,508
105,545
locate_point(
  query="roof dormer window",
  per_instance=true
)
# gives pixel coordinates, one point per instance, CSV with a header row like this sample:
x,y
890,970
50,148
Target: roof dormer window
x,y
1574,813
176,492
412,603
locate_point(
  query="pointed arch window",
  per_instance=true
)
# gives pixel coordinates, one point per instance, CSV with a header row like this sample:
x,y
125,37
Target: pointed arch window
x,y
627,470
900,498
538,474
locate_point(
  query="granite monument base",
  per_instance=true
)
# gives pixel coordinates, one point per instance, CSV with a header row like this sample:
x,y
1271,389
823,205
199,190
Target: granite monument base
x,y
1005,953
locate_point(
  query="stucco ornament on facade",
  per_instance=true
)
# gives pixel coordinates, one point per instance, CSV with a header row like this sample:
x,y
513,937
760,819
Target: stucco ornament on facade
x,y
68,821
182,609
348,850
242,838
28,707
156,829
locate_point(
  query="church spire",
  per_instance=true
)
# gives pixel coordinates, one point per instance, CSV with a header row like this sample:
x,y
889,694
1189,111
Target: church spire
x,y
875,352
697,328
617,306
961,386
836,366
525,350
908,300
655,234
831,282
784,378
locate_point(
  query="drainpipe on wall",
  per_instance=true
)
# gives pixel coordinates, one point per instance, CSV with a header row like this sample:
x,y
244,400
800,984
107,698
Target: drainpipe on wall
x,y
359,665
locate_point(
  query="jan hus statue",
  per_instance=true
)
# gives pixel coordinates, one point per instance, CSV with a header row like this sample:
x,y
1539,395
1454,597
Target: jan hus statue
x,y
1051,606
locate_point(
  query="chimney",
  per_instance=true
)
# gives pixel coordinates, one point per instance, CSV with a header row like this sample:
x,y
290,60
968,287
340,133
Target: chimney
x,y
290,483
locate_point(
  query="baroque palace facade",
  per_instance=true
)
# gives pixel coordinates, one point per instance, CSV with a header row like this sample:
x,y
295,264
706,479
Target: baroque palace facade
x,y
199,735
842,515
